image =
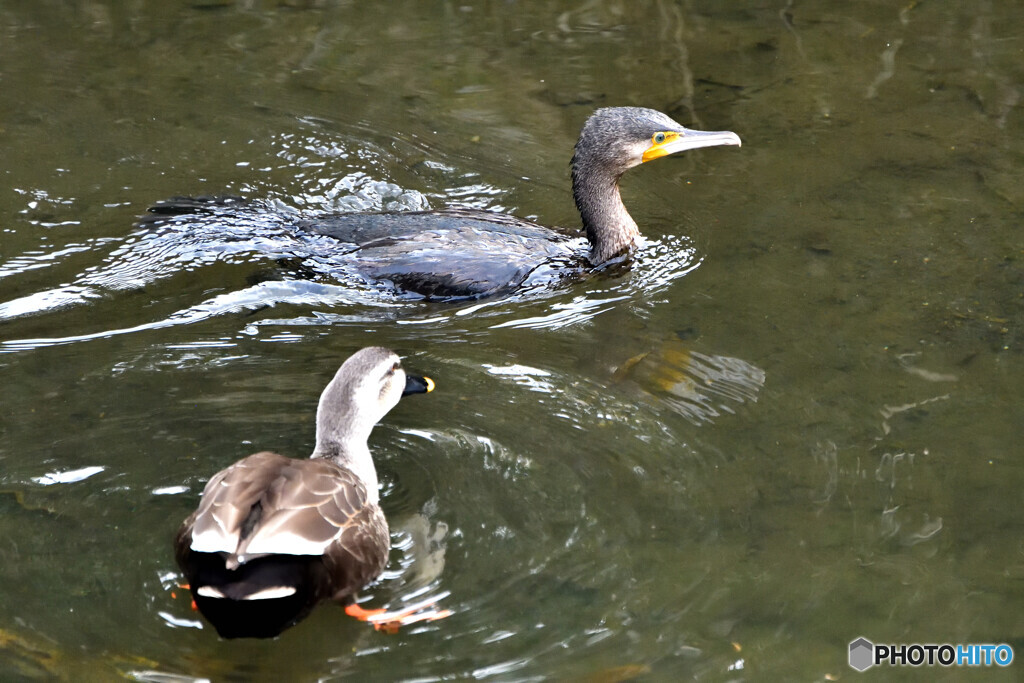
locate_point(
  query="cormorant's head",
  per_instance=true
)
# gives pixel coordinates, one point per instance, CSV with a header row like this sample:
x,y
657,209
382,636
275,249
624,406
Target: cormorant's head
x,y
616,139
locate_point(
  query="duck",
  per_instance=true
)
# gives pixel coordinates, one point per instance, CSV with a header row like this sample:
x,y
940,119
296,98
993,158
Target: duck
x,y
456,254
274,536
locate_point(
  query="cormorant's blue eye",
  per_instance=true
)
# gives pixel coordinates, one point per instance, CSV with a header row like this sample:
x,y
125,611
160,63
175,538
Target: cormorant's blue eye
x,y
659,138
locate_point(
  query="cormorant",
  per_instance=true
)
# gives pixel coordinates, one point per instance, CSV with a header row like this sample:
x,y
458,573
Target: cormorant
x,y
460,253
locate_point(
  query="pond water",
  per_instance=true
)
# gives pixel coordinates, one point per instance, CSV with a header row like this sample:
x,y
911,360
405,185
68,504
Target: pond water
x,y
795,420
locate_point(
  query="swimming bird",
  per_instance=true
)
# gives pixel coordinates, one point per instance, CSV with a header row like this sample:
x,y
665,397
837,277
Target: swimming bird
x,y
273,536
460,253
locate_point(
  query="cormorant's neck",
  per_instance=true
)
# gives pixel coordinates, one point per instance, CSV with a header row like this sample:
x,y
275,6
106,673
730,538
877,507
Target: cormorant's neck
x,y
610,228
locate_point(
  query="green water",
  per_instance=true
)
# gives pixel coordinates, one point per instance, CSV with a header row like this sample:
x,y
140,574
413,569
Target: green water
x,y
797,420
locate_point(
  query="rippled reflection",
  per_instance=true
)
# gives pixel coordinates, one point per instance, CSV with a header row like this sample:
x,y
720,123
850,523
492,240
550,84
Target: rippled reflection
x,y
334,172
698,386
68,477
329,171
171,250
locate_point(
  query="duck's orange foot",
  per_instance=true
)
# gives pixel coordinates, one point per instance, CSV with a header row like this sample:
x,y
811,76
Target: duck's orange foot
x,y
184,586
390,622
357,612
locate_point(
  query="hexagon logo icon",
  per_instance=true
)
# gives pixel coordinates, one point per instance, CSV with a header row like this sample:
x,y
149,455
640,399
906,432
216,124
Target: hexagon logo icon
x,y
862,653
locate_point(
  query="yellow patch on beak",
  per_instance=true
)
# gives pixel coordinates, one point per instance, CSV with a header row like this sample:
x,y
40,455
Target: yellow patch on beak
x,y
660,145
430,384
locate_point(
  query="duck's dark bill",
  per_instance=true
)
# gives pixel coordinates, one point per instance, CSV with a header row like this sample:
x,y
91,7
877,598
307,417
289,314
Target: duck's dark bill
x,y
417,385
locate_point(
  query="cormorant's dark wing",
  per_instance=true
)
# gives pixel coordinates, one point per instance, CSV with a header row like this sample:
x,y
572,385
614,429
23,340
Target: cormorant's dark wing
x,y
445,254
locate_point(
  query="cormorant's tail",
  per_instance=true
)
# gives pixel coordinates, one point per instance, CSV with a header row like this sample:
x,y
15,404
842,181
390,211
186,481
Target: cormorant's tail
x,y
191,206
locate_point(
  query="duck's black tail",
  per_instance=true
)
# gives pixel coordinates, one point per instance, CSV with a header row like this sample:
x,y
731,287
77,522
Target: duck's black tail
x,y
260,598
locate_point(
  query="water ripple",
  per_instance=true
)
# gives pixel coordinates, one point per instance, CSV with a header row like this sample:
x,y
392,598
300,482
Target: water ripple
x,y
307,271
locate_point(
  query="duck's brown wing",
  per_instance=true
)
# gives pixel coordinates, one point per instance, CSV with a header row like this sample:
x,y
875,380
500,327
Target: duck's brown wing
x,y
228,502
267,504
311,506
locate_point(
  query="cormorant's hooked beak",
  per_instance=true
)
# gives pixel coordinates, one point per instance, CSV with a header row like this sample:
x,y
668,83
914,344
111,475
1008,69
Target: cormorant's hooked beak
x,y
415,384
670,142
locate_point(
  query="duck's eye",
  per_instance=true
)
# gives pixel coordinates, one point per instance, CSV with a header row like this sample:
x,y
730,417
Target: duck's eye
x,y
396,367
658,138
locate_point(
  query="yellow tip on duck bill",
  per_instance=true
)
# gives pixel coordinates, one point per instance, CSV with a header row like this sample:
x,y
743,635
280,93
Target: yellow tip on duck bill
x,y
414,384
670,142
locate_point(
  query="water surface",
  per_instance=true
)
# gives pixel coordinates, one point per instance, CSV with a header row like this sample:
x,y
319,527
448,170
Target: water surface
x,y
794,421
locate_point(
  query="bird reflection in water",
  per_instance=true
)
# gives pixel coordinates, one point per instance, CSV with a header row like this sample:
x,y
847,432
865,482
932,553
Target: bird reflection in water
x,y
698,386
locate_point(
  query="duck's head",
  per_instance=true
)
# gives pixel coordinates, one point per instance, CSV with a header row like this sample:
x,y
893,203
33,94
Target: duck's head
x,y
365,388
